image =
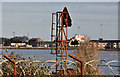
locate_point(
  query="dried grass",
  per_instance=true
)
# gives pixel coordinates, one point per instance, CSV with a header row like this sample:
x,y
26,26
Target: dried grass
x,y
88,51
24,67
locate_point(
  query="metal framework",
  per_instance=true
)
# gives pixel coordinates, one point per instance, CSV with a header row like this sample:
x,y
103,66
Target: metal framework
x,y
14,70
82,64
59,33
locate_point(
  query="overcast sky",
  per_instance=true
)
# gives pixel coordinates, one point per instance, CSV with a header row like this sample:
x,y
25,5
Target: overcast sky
x,y
59,0
35,18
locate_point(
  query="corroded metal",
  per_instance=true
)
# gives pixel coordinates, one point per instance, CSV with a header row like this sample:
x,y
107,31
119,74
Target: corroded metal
x,y
60,22
69,21
14,73
82,64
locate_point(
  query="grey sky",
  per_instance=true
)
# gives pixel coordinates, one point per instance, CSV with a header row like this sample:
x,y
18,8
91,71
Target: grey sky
x,y
35,18
0,18
60,0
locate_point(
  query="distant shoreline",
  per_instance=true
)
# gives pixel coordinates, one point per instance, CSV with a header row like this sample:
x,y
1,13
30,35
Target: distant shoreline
x,y
49,48
25,48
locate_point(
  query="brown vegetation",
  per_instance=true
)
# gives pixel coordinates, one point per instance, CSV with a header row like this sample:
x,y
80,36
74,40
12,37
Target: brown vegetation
x,y
87,51
24,67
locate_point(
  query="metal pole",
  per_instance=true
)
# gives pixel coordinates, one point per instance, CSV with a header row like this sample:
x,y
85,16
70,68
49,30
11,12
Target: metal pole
x,y
13,34
61,45
14,72
78,30
101,30
82,64
52,34
66,41
56,39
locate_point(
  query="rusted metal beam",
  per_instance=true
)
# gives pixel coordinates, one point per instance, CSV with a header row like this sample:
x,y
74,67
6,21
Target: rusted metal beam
x,y
14,73
59,35
82,64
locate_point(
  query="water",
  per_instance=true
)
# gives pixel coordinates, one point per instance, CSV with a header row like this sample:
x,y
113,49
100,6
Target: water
x,y
107,56
44,55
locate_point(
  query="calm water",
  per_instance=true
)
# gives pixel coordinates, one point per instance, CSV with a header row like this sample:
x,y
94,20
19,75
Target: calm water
x,y
44,55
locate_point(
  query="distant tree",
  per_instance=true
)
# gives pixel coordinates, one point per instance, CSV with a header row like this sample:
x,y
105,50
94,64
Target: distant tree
x,y
5,41
15,40
19,39
0,40
34,41
25,38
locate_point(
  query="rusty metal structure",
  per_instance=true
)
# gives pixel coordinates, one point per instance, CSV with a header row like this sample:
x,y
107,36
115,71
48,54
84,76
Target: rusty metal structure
x,y
14,69
59,33
82,64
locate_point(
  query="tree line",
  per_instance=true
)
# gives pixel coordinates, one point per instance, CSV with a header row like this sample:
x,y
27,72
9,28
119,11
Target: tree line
x,y
16,39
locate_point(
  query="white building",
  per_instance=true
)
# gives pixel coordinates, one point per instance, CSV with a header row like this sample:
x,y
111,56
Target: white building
x,y
18,44
76,40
